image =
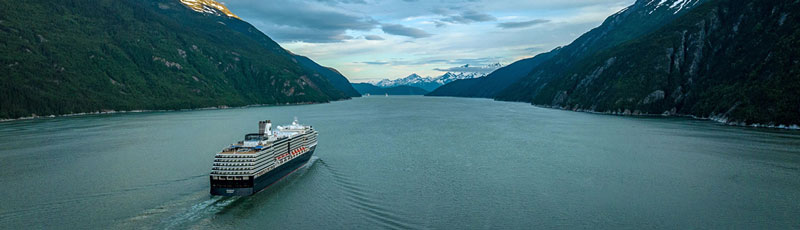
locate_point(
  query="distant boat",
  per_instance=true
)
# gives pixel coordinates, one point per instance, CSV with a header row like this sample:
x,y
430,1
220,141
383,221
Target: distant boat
x,y
387,94
366,95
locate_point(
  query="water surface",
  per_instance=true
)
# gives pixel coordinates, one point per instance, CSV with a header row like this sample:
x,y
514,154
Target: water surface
x,y
404,163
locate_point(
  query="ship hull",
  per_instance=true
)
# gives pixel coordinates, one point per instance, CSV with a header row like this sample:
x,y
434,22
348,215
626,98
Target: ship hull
x,y
264,181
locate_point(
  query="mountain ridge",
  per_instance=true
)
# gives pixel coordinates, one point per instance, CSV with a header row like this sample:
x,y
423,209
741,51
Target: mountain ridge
x,y
68,57
638,19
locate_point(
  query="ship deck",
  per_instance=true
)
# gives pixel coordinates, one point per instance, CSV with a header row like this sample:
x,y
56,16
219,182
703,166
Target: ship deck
x,y
239,151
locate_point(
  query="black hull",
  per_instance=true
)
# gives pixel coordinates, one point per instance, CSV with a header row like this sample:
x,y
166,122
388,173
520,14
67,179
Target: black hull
x,y
265,180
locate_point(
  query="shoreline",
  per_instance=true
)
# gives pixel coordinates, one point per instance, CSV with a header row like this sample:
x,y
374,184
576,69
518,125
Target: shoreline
x,y
718,119
102,112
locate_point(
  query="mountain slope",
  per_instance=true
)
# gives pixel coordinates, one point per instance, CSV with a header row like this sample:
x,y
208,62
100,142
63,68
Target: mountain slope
x,y
366,88
726,60
490,85
334,77
641,18
72,56
338,80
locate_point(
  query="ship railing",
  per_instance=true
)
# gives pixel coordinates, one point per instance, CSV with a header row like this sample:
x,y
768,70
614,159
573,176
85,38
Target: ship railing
x,y
229,173
231,169
234,163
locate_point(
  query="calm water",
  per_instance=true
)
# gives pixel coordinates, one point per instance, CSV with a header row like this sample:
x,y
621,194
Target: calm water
x,y
404,162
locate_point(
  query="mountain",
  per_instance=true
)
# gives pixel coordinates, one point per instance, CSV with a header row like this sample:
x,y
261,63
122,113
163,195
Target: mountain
x,y
366,88
732,61
640,18
495,82
429,83
73,56
414,80
211,7
643,17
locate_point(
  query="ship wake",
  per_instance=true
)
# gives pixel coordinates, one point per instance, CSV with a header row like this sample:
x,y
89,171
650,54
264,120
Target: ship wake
x,y
368,203
204,210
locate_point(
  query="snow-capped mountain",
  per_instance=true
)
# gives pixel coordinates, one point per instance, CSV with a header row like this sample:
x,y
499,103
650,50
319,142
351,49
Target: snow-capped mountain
x,y
672,5
409,80
431,83
209,7
427,83
450,77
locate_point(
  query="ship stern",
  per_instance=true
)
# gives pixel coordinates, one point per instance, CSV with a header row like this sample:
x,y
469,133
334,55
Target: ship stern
x,y
231,186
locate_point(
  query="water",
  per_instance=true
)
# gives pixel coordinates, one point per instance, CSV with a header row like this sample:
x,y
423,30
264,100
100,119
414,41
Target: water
x,y
404,163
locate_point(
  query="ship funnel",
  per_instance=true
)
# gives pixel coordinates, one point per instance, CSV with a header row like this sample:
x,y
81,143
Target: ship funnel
x,y
269,128
265,127
262,126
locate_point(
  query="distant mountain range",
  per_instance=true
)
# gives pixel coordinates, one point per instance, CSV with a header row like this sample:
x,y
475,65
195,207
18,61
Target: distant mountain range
x,y
367,89
729,60
61,57
431,83
493,83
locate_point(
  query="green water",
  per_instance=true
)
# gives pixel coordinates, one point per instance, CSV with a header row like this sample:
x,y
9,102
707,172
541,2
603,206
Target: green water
x,y
404,163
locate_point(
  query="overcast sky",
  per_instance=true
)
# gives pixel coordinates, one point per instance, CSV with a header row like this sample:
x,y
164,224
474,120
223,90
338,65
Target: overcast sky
x,y
370,40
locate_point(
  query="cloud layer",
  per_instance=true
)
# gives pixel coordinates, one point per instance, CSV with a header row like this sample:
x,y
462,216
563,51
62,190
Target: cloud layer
x,y
401,30
522,24
372,39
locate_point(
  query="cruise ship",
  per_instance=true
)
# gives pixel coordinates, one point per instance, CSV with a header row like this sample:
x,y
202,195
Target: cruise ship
x,y
262,158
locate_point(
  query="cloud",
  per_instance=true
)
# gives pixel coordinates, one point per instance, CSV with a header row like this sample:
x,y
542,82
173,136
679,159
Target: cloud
x,y
376,62
401,30
337,33
373,37
523,24
471,69
459,61
307,21
469,16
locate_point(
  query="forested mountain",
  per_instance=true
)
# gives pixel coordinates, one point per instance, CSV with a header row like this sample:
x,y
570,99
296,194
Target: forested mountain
x,y
730,60
71,56
641,18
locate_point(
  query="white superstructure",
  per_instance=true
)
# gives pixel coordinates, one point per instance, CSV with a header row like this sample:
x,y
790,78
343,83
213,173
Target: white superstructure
x,y
261,152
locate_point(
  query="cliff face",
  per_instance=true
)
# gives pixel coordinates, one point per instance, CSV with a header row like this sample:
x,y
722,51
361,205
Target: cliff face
x,y
641,18
726,60
73,56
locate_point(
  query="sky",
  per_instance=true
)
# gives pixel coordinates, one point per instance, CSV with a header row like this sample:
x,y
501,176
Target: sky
x,y
370,40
